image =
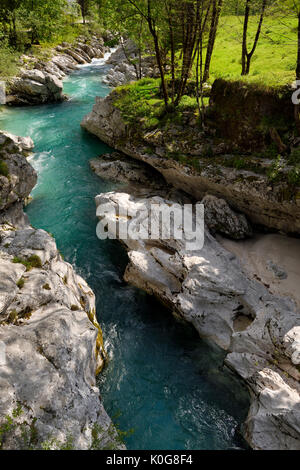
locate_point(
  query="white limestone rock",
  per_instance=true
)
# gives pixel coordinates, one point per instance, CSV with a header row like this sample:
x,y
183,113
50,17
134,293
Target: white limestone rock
x,y
34,87
209,289
51,345
17,177
220,218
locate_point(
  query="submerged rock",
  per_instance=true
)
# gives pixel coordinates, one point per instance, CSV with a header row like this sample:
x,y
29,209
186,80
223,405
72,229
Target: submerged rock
x,y
209,289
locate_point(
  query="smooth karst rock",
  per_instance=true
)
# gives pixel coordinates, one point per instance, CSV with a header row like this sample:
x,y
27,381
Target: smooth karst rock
x,y
220,218
34,87
51,345
17,177
40,81
2,93
123,69
208,288
121,169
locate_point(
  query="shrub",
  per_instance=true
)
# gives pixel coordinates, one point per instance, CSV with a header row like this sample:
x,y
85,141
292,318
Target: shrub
x,y
21,283
140,103
34,261
294,176
4,168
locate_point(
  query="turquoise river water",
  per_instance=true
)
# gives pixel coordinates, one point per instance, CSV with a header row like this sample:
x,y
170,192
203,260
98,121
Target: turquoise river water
x,y
162,382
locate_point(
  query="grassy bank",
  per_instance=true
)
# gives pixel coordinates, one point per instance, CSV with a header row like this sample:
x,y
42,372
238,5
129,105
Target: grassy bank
x,y
274,61
179,133
273,65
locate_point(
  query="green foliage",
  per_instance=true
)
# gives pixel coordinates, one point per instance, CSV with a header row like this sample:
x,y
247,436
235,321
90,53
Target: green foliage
x,y
294,157
187,103
21,283
12,316
97,437
275,171
34,261
36,26
8,61
26,433
279,172
4,168
140,103
294,176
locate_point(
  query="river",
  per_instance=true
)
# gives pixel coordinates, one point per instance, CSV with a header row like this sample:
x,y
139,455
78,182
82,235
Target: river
x,y
163,385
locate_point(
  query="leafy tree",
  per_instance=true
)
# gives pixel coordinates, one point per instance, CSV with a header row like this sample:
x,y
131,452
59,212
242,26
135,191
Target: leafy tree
x,y
43,17
175,29
8,17
85,8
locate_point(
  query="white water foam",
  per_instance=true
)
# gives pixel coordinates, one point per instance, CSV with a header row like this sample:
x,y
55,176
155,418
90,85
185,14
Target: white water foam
x,y
99,62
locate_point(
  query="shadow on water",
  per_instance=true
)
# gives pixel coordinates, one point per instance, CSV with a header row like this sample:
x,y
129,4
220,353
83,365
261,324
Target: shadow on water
x,y
162,380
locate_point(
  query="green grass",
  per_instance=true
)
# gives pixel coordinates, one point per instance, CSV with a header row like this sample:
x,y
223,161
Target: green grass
x,y
9,62
21,283
140,102
273,65
274,61
141,105
34,261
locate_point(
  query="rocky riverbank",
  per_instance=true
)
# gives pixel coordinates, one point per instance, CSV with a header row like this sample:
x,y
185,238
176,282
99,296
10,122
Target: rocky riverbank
x,y
209,288
51,344
275,205
40,81
128,66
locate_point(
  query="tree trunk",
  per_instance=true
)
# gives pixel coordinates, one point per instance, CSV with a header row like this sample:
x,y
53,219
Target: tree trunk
x,y
159,61
298,53
190,29
217,8
172,58
245,33
246,59
297,106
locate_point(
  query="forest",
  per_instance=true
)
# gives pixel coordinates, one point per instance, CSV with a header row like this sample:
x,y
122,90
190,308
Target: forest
x,y
207,38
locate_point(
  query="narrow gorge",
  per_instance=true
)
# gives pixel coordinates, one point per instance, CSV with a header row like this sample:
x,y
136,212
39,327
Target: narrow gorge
x,y
148,354
115,334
